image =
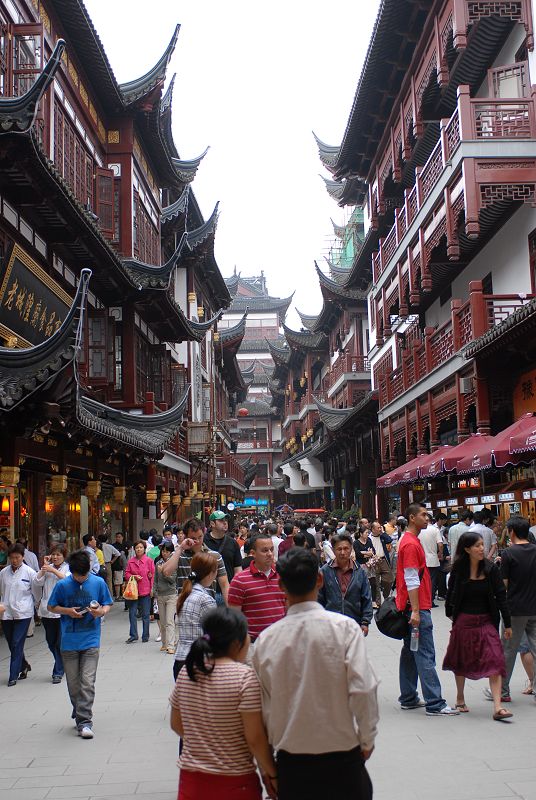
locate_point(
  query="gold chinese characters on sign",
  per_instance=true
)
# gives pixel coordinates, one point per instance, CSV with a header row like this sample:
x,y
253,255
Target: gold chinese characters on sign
x,y
32,305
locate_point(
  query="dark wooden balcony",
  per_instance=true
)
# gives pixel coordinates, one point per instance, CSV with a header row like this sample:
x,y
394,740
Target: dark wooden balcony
x,y
428,349
473,120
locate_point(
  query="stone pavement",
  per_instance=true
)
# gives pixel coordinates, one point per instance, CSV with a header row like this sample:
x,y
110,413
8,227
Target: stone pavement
x,y
134,752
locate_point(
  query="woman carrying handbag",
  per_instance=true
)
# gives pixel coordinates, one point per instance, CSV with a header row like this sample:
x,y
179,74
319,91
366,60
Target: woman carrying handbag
x,y
141,568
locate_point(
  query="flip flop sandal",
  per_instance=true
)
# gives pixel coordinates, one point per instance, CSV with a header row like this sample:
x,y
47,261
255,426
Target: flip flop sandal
x,y
462,708
502,715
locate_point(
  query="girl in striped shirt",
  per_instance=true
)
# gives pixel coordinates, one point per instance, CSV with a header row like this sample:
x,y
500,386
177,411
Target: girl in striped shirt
x,y
216,710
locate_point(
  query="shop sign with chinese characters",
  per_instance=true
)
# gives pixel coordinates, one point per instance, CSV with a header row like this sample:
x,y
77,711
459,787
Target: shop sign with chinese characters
x,y
32,304
525,394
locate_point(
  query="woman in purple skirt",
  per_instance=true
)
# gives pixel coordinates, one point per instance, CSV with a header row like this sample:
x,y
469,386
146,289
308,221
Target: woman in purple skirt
x,y
476,599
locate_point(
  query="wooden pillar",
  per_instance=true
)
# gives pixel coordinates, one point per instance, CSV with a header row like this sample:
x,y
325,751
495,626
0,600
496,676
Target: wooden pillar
x,y
461,428
479,309
129,356
418,420
434,441
483,423
459,24
392,461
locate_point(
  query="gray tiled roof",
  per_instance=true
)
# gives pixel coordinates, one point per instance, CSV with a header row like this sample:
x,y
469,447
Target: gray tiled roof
x,y
140,87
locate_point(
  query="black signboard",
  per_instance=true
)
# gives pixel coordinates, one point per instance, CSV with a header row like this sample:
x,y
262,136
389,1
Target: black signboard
x,y
32,304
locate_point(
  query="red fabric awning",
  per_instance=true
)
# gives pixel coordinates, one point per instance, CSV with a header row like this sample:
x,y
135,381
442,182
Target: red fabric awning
x,y
401,474
465,449
498,450
524,440
432,464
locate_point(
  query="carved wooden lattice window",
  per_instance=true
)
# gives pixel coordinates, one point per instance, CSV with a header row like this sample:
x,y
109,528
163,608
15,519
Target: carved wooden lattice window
x,y
4,42
146,236
26,56
101,356
104,196
509,81
71,159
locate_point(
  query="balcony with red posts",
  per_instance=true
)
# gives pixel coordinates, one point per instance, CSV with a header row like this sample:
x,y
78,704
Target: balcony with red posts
x,y
428,349
228,468
475,119
348,364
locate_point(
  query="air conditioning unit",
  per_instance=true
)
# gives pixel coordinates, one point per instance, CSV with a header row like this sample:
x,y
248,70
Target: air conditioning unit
x,y
466,385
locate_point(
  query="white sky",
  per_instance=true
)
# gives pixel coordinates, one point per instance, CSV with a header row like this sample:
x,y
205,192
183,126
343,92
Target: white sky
x,y
253,81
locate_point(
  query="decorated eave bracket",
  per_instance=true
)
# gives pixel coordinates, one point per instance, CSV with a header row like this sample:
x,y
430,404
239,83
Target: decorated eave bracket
x,y
17,114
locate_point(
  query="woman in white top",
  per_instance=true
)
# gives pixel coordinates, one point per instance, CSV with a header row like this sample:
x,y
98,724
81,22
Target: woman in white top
x,y
54,569
16,597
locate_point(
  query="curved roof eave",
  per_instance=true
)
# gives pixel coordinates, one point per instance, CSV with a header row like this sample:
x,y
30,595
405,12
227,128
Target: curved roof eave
x,y
150,275
186,169
180,206
17,114
307,320
328,153
228,335
205,231
307,339
140,87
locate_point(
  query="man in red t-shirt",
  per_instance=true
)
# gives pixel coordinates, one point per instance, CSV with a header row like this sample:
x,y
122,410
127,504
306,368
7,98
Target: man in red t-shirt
x,y
414,594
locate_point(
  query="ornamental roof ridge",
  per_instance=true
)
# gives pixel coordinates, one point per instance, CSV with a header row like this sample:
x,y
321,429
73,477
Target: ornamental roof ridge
x,y
335,189
180,206
228,335
338,230
308,320
132,91
167,99
149,275
337,288
149,433
336,418
203,232
186,169
307,339
279,354
264,303
24,370
17,114
328,153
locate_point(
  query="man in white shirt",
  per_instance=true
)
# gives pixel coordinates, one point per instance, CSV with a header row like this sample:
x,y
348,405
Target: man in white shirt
x,y
272,529
16,597
319,691
481,520
29,558
455,531
432,543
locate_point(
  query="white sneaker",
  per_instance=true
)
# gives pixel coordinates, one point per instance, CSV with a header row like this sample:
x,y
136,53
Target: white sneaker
x,y
446,711
86,732
158,638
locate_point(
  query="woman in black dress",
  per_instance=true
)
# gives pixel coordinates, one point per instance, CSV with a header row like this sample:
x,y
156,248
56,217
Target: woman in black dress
x,y
476,599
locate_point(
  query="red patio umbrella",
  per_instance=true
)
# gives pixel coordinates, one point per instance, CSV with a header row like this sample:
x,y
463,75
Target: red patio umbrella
x,y
525,440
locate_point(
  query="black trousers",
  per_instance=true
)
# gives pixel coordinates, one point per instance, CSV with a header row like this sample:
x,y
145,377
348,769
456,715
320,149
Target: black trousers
x,y
341,775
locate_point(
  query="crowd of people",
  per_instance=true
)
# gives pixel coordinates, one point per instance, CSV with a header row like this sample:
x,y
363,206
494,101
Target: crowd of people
x,y
267,624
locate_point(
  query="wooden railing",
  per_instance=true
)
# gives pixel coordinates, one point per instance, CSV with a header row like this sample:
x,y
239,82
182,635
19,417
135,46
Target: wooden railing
x,y
347,363
473,119
229,468
429,348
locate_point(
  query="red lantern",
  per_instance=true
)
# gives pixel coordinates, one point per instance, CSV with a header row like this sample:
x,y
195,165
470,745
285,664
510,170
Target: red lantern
x,y
243,412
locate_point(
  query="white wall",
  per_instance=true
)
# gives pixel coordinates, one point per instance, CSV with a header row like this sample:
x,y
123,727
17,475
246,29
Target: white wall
x,y
506,256
507,56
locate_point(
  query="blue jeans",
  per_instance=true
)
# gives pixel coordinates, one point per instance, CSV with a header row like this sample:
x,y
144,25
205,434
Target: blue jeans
x,y
53,636
420,665
144,604
15,631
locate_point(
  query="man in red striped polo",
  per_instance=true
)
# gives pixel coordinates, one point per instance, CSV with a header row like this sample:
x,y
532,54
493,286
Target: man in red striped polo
x,y
255,591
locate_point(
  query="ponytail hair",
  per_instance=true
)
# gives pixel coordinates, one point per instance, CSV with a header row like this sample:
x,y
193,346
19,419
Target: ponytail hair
x,y
222,627
201,565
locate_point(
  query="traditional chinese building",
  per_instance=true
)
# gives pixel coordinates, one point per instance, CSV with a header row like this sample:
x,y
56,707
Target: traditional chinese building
x,y
107,294
257,426
439,146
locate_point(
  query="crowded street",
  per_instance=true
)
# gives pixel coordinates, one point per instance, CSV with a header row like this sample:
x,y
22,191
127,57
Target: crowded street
x,y
135,752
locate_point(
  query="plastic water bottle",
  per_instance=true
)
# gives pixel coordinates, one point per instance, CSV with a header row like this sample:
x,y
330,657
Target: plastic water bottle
x,y
414,640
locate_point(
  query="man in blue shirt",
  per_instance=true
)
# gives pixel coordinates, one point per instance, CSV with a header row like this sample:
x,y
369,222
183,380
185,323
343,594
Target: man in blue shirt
x,y
80,634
